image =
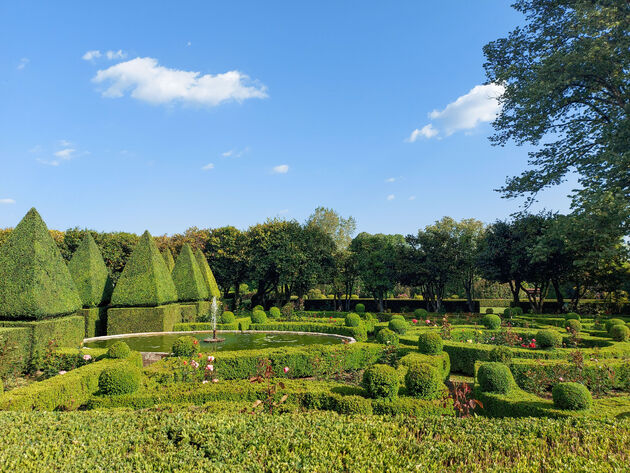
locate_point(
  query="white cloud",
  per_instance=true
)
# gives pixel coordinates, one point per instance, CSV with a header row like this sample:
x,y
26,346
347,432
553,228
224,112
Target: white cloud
x,y
390,179
65,153
188,43
54,162
91,55
23,62
480,105
145,80
227,154
391,197
235,154
7,201
412,197
111,55
65,143
208,166
281,169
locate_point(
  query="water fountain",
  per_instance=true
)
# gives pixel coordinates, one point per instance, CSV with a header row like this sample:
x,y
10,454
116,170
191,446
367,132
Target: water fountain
x,y
214,308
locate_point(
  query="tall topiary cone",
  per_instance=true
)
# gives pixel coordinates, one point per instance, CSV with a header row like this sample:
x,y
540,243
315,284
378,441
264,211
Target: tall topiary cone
x,y
168,259
189,282
90,274
208,277
145,281
34,280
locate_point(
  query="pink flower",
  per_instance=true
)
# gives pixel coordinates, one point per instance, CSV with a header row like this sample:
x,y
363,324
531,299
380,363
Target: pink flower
x,y
415,321
428,322
199,355
205,381
87,357
286,369
211,358
523,345
63,372
561,378
194,364
215,380
210,368
534,340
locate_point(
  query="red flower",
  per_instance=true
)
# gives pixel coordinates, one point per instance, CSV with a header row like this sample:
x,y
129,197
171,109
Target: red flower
x,y
195,342
523,345
185,362
415,321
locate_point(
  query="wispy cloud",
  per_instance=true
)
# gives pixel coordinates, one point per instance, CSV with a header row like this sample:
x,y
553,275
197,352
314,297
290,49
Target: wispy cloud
x,y
390,179
234,153
53,162
66,153
144,79
480,105
23,63
208,167
111,55
281,169
391,197
7,201
91,55
412,197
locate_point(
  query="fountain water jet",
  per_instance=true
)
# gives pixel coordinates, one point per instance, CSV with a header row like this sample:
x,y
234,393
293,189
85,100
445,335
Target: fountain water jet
x,y
214,307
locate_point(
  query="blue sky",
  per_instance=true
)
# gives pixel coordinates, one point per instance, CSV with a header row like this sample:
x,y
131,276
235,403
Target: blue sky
x,y
165,115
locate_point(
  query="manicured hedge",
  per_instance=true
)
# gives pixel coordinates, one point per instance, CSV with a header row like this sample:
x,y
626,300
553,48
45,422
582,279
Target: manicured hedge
x,y
142,319
358,333
65,391
211,283
189,281
95,321
145,281
34,279
90,274
15,342
442,362
168,258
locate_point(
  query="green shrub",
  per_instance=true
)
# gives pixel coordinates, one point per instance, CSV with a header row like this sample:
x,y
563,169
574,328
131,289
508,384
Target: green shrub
x,y
353,405
228,317
258,307
121,379
352,320
424,381
34,280
259,317
145,280
275,313
430,343
491,321
381,381
354,296
620,333
359,308
168,259
571,396
90,274
517,311
397,317
489,310
612,322
208,277
573,324
399,326
501,354
370,322
548,339
508,313
185,346
118,350
495,377
387,337
420,314
572,316
187,276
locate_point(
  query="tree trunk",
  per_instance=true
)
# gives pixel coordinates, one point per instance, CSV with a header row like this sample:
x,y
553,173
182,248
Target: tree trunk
x,y
559,298
237,296
515,288
469,295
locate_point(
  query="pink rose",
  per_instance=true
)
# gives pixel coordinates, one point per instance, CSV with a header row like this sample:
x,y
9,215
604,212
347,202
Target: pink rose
x,y
63,372
211,358
286,369
215,380
415,321
210,368
87,357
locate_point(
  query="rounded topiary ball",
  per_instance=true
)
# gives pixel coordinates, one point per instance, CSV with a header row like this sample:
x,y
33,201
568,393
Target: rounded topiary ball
x,y
424,381
420,314
227,317
122,379
612,322
119,350
508,313
398,325
574,325
548,339
619,333
259,317
258,307
489,310
571,396
387,337
352,320
430,343
185,346
275,313
359,308
381,381
500,353
572,316
495,377
517,311
491,321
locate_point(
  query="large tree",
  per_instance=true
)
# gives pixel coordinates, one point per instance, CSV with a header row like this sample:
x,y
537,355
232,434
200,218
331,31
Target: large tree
x,y
340,229
566,74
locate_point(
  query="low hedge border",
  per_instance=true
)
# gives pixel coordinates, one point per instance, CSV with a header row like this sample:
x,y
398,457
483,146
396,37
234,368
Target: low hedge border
x,y
441,362
358,333
241,323
62,392
15,342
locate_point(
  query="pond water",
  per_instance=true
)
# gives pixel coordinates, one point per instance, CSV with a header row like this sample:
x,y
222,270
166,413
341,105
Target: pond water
x,y
233,341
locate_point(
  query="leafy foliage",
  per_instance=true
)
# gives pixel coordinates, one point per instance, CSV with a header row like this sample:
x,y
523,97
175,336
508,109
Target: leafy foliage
x,y
90,274
188,278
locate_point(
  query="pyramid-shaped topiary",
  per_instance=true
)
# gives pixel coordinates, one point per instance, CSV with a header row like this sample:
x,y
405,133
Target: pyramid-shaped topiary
x,y
168,259
213,289
145,281
34,279
189,282
89,273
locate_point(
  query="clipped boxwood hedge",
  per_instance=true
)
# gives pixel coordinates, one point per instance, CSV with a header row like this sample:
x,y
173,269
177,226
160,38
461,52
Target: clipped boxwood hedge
x,y
189,281
90,274
168,258
208,277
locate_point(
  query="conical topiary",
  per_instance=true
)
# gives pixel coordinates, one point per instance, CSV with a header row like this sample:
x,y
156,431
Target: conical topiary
x,y
208,277
89,273
145,280
189,282
34,280
168,259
